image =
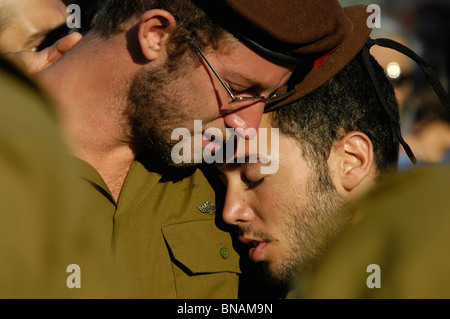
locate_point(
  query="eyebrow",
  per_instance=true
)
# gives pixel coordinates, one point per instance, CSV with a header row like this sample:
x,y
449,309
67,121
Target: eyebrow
x,y
250,81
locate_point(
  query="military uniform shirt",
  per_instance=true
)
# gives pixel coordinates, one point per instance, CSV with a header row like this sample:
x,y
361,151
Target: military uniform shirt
x,y
164,246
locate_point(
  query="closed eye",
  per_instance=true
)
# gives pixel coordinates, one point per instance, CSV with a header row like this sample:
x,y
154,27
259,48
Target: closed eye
x,y
251,184
244,91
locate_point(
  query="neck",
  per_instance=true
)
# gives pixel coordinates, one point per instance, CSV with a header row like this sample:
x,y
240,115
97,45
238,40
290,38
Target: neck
x,y
91,105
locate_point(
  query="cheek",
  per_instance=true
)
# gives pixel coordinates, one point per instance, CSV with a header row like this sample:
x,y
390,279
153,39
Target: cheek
x,y
199,87
281,196
272,202
199,102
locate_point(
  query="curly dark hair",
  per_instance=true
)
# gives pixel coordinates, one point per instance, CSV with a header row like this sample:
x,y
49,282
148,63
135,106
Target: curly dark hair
x,y
348,102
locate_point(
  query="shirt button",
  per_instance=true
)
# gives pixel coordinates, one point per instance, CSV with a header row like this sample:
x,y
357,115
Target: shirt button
x,y
224,252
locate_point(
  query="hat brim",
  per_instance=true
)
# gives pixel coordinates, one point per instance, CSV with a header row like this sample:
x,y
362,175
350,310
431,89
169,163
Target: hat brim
x,y
336,61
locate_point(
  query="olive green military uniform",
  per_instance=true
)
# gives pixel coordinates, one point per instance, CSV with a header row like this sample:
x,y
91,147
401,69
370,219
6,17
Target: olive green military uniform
x,y
45,225
405,230
164,245
162,233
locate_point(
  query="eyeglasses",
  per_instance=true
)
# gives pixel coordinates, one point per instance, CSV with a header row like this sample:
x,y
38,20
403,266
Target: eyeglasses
x,y
274,97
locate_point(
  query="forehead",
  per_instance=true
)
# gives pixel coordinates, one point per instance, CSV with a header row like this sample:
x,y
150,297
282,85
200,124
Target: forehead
x,y
237,60
37,15
267,147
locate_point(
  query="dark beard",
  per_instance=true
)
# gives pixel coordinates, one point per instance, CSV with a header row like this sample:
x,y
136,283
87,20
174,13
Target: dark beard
x,y
153,111
312,230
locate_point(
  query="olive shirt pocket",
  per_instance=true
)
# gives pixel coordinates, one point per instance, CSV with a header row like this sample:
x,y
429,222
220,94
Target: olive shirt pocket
x,y
201,252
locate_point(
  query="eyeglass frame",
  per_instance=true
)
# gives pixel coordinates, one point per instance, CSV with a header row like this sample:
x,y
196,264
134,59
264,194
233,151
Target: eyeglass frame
x,y
274,97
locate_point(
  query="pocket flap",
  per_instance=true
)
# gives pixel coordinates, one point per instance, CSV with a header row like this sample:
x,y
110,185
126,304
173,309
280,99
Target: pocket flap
x,y
201,247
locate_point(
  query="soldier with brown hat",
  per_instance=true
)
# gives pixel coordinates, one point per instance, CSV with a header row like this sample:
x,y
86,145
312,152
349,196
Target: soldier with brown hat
x,y
148,67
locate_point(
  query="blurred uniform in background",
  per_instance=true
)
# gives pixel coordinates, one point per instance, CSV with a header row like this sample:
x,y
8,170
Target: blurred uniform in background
x,y
403,229
45,222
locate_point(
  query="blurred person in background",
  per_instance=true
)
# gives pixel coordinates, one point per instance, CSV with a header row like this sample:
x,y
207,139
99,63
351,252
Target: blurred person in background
x,y
25,24
398,67
429,134
31,33
425,125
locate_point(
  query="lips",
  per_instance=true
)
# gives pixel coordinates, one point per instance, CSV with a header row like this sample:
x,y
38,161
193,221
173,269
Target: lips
x,y
256,251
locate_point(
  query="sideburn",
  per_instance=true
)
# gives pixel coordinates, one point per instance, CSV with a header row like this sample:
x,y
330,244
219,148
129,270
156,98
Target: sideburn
x,y
153,108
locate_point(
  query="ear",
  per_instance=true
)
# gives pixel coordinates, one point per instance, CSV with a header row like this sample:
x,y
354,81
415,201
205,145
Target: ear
x,y
155,28
354,154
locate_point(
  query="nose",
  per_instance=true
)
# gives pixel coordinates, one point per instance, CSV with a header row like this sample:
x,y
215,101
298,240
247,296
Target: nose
x,y
236,209
246,118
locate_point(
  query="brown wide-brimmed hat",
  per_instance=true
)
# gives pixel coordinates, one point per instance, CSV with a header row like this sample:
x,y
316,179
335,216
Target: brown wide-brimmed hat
x,y
319,36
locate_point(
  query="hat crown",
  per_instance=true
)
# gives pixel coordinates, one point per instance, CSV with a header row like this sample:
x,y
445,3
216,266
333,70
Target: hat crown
x,y
293,27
